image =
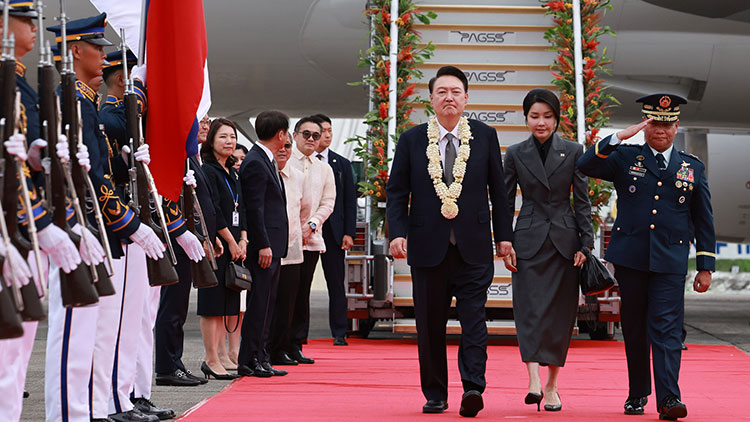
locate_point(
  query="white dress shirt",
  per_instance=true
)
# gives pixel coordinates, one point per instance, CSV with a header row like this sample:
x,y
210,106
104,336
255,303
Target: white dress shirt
x,y
319,194
444,141
294,183
265,149
323,154
667,153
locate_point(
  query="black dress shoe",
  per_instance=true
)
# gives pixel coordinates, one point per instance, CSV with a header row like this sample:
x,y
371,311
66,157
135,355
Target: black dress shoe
x,y
683,346
147,407
299,357
258,370
201,380
554,407
471,403
244,371
283,358
634,405
26,394
435,406
340,341
672,408
133,415
208,373
102,420
275,372
178,378
534,398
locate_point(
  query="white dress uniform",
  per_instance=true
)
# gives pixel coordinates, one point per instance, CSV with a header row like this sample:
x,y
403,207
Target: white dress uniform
x,y
14,361
144,369
70,348
117,335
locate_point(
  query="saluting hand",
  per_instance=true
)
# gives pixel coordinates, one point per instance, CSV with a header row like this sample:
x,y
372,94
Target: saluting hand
x,y
702,281
632,130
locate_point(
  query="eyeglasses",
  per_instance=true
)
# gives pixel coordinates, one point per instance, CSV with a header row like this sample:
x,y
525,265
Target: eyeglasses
x,y
288,146
205,122
306,134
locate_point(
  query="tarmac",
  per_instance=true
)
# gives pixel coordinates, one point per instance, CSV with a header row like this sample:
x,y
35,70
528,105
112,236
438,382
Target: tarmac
x,y
721,316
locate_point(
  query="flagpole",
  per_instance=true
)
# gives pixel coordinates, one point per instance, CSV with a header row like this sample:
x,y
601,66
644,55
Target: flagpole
x,y
142,41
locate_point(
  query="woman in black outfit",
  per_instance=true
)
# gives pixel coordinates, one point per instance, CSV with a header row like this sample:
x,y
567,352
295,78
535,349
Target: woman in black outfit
x,y
218,305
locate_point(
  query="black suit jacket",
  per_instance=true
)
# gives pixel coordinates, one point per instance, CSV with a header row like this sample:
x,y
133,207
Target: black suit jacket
x,y
426,230
343,219
265,204
205,198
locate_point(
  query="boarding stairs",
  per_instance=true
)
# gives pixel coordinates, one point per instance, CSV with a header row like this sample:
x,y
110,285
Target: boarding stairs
x,y
500,45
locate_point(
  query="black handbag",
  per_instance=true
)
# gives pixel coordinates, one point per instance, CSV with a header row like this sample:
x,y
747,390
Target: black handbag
x,y
594,277
238,278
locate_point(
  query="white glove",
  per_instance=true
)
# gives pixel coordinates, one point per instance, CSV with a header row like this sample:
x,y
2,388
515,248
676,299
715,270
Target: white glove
x,y
125,153
63,151
21,274
189,179
90,247
191,245
16,146
61,250
142,155
139,72
149,241
83,157
35,154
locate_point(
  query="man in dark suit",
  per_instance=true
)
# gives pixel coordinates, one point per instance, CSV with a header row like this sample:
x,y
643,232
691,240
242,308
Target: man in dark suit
x,y
338,232
437,199
174,300
663,202
268,232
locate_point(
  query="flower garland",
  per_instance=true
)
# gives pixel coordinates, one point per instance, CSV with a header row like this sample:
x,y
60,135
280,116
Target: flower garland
x,y
372,147
448,195
597,101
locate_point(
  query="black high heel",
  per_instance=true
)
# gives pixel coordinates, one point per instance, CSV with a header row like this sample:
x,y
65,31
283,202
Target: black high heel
x,y
554,408
208,373
534,398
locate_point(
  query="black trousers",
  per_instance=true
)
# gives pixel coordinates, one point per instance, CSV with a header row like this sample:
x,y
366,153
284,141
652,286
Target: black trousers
x,y
334,268
173,308
256,324
301,314
652,314
289,282
433,290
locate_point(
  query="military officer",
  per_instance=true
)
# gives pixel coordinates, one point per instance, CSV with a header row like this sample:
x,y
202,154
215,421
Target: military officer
x,y
664,202
131,241
59,252
112,115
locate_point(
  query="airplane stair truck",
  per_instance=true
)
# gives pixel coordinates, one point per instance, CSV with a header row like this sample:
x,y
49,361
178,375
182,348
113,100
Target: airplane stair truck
x,y
500,45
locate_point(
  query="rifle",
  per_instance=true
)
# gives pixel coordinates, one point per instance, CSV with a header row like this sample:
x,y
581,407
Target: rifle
x,y
77,288
14,176
161,272
203,270
11,325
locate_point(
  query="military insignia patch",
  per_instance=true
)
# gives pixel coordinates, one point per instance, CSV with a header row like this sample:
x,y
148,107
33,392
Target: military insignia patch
x,y
682,200
678,184
640,157
685,174
631,189
665,101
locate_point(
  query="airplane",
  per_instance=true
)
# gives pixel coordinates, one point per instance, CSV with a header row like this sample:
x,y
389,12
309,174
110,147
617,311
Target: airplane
x,y
299,56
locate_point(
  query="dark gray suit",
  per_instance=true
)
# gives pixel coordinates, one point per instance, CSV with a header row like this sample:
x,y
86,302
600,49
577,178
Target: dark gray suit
x,y
547,235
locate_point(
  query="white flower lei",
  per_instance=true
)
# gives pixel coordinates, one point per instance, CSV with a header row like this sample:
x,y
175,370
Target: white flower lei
x,y
448,194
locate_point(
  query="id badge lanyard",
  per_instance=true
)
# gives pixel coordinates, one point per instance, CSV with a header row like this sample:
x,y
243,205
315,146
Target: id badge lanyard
x,y
236,198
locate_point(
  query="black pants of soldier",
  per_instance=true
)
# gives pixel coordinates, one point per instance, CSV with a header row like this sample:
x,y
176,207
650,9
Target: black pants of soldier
x,y
173,310
334,268
433,290
301,314
289,282
652,316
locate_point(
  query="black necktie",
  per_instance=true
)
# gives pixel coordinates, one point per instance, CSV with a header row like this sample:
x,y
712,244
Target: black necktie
x,y
662,162
320,157
450,158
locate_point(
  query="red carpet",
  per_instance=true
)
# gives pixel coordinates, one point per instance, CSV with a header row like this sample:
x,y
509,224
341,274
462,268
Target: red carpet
x,y
378,380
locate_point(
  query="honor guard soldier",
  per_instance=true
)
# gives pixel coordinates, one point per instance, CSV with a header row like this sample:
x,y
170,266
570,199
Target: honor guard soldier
x,y
118,323
664,205
59,252
113,116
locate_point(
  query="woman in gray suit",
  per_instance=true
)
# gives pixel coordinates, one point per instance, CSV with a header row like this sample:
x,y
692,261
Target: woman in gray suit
x,y
548,241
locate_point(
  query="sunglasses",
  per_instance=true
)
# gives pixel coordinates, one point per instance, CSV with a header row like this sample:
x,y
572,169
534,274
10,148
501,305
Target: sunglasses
x,y
288,146
306,134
